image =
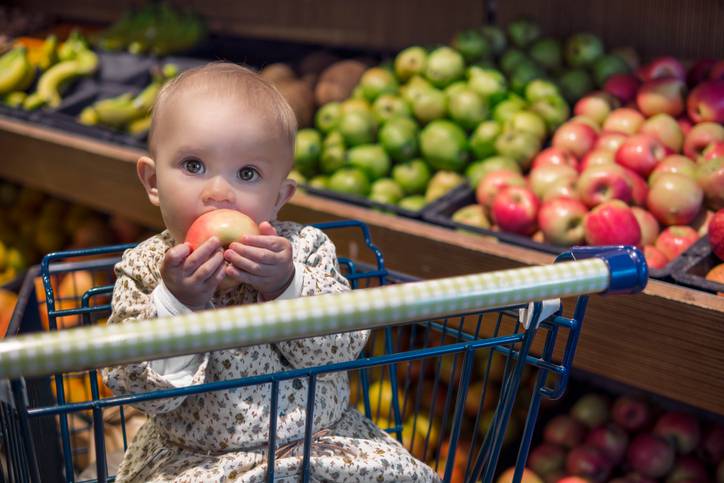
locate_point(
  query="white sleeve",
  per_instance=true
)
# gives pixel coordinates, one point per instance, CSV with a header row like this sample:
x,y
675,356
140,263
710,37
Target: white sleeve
x,y
179,370
294,289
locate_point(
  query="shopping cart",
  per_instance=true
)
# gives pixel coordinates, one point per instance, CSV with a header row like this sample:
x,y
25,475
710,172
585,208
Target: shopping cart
x,y
450,366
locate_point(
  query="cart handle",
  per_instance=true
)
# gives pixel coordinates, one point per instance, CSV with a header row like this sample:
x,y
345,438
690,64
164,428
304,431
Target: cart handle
x,y
619,269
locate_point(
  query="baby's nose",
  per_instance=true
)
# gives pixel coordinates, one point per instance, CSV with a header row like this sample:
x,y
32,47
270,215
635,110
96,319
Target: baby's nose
x,y
217,191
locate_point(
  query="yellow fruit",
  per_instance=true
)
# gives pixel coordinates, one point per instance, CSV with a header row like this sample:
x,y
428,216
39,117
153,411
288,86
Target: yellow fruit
x,y
380,394
8,300
416,442
528,476
3,256
75,388
15,260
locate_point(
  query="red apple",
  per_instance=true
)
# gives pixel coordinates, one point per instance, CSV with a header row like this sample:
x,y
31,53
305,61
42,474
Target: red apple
x,y
227,225
561,220
573,479
650,455
595,106
706,102
641,153
717,71
639,188
699,71
612,223
662,68
591,409
541,179
597,157
661,96
554,157
681,429
515,209
664,128
624,120
688,469
611,439
710,176
674,163
622,86
716,240
654,258
546,459
564,431
675,199
610,141
588,462
684,124
562,188
701,136
714,150
631,413
648,224
587,121
604,183
493,182
575,137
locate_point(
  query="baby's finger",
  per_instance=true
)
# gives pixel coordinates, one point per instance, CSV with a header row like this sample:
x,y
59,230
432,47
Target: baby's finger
x,y
273,243
201,255
242,263
259,255
266,229
177,254
208,269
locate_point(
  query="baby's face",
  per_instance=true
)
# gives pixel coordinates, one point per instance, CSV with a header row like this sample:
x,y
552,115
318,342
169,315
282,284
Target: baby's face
x,y
214,153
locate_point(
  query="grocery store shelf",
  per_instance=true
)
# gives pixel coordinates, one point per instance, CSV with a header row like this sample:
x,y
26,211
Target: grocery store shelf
x,y
667,340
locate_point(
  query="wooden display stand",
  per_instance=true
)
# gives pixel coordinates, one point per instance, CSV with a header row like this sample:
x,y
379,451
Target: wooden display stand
x,y
667,340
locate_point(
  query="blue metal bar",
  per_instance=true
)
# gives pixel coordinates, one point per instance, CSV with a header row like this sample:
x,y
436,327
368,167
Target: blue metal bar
x,y
459,409
272,430
20,397
309,426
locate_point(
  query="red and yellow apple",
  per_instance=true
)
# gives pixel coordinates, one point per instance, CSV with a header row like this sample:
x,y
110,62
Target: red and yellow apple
x,y
675,199
612,223
227,225
675,240
561,221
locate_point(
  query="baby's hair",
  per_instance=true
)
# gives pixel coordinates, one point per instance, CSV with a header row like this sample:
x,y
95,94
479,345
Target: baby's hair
x,y
235,81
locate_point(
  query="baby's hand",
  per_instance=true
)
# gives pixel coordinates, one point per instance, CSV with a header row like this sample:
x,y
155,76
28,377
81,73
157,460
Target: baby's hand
x,y
192,277
263,261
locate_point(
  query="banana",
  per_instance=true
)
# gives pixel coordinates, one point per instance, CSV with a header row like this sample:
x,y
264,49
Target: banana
x,y
28,79
139,126
14,99
49,54
117,112
34,101
145,99
53,80
13,69
88,116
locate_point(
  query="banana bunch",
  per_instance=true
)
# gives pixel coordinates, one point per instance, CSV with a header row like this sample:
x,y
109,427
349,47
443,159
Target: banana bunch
x,y
75,59
16,71
128,112
157,29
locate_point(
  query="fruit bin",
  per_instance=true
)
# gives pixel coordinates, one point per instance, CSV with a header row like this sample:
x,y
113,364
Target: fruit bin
x,y
693,265
439,354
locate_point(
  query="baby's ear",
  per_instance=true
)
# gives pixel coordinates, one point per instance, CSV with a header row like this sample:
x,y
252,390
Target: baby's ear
x,y
286,191
146,170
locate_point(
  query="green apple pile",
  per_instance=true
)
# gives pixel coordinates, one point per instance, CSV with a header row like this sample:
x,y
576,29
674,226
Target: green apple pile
x,y
432,119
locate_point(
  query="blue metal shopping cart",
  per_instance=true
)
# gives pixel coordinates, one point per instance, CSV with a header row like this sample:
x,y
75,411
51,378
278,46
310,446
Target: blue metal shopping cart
x,y
449,369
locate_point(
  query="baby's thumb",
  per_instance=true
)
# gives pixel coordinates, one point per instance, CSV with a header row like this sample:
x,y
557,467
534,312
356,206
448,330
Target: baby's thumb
x,y
266,229
177,254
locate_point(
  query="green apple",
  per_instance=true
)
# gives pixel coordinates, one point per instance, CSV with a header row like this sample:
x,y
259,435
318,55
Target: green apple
x,y
386,190
351,181
527,121
523,31
398,137
467,108
553,109
388,106
482,141
410,62
548,53
430,104
444,145
574,84
523,73
377,81
414,87
320,181
412,203
507,108
297,177
472,44
357,93
307,148
540,88
511,58
357,127
489,83
583,49
441,183
496,38
356,105
455,87
413,176
608,65
480,169
521,146
333,158
473,215
328,116
333,138
371,159
444,66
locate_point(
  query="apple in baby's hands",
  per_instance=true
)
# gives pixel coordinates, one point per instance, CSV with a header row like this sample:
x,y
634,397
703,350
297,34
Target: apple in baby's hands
x,y
227,225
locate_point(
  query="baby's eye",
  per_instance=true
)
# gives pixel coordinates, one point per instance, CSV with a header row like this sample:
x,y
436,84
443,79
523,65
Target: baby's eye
x,y
193,166
248,173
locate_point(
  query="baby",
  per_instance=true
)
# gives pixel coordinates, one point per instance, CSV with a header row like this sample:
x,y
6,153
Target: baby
x,y
222,137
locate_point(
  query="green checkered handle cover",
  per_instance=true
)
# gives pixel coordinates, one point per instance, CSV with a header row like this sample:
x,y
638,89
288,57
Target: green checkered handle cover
x,y
102,346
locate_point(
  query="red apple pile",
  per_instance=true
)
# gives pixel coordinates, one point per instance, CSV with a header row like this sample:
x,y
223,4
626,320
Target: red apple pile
x,y
716,240
641,163
629,440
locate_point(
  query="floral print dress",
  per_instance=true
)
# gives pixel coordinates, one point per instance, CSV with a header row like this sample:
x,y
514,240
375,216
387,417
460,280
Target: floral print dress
x,y
222,435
